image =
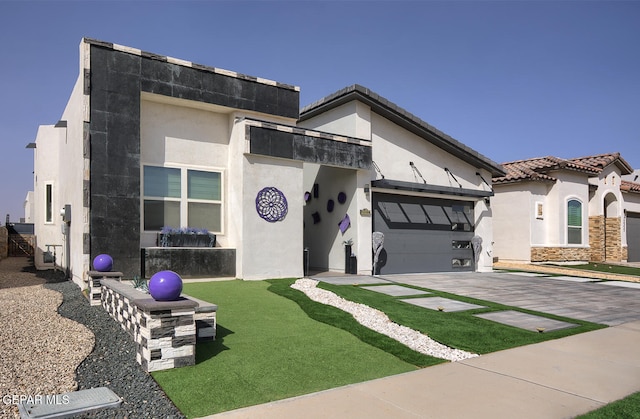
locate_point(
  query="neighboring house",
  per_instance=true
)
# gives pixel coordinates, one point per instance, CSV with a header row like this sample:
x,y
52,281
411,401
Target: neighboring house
x,y
28,208
428,194
552,209
148,141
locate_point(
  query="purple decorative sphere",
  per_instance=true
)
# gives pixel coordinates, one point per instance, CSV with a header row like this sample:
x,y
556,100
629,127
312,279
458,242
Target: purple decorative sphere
x,y
165,286
103,263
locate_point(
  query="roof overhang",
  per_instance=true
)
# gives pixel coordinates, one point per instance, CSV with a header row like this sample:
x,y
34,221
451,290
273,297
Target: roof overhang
x,y
437,190
404,119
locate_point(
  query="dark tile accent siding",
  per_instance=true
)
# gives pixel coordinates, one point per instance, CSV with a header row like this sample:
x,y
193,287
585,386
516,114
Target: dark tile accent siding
x,y
274,143
183,340
191,262
156,354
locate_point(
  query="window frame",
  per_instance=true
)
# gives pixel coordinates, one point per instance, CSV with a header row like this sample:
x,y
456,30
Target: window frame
x,y
48,202
184,199
570,227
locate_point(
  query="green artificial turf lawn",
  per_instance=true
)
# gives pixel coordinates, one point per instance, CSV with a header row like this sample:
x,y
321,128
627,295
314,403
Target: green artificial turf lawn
x,y
604,267
343,320
461,329
267,349
627,408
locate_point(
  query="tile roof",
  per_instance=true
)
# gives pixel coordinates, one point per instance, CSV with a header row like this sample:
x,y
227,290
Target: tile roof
x,y
627,186
537,169
601,161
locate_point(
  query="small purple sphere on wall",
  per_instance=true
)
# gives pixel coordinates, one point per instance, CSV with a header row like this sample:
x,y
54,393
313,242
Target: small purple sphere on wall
x,y
103,263
165,286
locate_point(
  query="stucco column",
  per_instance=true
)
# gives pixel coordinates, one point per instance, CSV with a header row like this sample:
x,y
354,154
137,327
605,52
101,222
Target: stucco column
x,y
364,222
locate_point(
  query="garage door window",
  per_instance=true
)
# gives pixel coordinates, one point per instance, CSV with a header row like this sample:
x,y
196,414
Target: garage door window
x,y
460,263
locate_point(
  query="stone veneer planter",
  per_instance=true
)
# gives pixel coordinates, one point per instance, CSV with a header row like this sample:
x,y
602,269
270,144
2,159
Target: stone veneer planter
x,y
165,332
95,288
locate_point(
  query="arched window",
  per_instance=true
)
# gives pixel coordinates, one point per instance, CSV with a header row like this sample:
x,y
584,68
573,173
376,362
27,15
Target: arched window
x,y
574,222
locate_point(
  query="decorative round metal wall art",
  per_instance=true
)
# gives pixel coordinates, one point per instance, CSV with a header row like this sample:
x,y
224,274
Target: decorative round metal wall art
x,y
271,204
330,205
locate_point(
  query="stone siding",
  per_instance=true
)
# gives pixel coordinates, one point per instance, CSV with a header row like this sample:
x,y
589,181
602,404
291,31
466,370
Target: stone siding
x,y
596,238
605,239
95,287
4,242
559,254
613,245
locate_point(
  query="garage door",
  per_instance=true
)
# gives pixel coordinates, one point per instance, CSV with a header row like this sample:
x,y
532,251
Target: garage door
x,y
423,234
633,236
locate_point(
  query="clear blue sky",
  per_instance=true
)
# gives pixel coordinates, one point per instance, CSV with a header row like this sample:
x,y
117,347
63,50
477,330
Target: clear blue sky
x,y
510,79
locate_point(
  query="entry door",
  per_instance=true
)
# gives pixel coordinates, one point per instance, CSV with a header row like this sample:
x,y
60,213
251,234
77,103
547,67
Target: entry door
x,y
633,236
423,234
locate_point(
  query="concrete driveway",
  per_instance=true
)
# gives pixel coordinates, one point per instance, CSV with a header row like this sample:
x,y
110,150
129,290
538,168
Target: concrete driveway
x,y
605,302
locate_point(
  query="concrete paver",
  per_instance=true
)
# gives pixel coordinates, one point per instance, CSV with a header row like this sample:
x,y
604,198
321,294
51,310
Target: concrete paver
x,y
621,284
588,301
572,278
395,290
354,280
526,321
436,303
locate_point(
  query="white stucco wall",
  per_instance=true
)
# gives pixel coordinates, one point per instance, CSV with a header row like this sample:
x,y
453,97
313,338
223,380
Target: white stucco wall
x,y
394,147
46,164
271,249
511,208
263,250
570,185
352,119
71,175
607,182
59,161
28,208
540,225
174,134
324,239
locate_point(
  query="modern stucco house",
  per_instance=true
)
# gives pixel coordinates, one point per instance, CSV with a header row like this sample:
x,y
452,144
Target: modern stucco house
x,y
581,209
148,141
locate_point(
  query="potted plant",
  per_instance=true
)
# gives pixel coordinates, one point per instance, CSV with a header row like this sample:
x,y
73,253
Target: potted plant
x,y
186,237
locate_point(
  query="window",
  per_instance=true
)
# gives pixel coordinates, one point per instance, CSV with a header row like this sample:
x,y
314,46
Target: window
x,y
180,197
574,222
460,263
539,211
48,202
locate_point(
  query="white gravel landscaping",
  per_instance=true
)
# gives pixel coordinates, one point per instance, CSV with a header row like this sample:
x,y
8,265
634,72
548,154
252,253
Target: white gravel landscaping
x,y
379,322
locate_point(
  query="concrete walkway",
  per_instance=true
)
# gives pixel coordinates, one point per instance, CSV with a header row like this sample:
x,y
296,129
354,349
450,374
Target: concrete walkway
x,y
555,379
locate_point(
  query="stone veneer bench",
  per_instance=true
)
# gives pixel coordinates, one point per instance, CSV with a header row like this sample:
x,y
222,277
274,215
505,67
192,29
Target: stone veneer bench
x,y
165,332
